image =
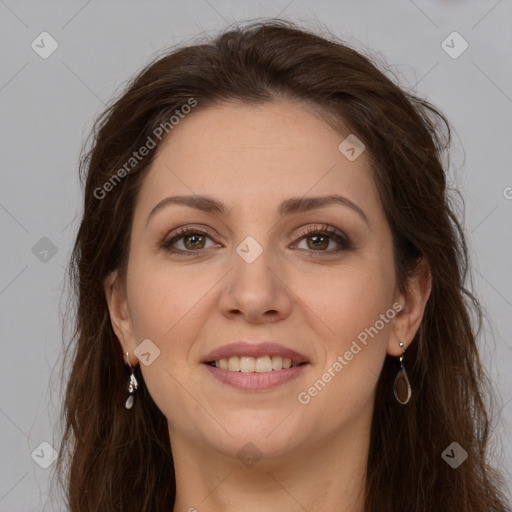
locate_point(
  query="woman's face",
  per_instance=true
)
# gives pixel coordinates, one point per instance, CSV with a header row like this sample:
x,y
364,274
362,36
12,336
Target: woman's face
x,y
267,262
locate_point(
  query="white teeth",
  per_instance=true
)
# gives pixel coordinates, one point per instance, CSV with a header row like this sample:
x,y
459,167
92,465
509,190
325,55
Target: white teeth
x,y
247,364
234,364
263,364
277,363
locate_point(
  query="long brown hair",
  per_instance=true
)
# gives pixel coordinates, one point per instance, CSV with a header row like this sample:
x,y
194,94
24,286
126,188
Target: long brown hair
x,y
111,459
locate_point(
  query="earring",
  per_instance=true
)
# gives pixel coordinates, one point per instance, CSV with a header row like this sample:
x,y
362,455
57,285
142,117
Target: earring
x,y
132,384
401,385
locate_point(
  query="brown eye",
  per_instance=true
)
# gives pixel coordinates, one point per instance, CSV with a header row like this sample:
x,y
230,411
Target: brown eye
x,y
323,240
187,241
318,241
195,241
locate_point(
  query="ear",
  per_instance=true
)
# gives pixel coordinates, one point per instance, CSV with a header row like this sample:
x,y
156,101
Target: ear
x,y
407,321
115,295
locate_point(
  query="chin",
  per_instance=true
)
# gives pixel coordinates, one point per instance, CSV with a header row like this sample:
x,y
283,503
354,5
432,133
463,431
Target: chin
x,y
267,433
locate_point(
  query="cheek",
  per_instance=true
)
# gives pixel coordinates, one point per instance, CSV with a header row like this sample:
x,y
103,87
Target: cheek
x,y
169,305
164,298
347,299
354,310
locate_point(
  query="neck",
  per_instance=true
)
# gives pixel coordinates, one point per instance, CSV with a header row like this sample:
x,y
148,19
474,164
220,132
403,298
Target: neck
x,y
316,478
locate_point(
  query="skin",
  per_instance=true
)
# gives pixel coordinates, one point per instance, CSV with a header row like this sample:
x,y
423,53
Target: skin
x,y
251,158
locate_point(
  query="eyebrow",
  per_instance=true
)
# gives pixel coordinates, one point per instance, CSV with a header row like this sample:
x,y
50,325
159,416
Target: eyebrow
x,y
287,207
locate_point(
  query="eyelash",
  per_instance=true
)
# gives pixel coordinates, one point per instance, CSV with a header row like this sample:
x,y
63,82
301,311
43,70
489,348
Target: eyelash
x,y
330,232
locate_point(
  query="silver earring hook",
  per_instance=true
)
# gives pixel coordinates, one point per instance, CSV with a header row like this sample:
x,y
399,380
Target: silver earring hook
x,y
132,384
401,359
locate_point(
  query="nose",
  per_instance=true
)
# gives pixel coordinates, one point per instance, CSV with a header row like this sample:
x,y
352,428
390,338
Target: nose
x,y
256,290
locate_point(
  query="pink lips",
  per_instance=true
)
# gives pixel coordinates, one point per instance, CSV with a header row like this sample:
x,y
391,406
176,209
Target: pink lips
x,y
255,381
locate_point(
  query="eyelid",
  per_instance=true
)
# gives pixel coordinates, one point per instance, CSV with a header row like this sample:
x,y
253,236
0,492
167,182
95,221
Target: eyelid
x,y
189,228
331,231
317,228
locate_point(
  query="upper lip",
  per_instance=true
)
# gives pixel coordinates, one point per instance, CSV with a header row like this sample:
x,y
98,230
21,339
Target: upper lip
x,y
243,348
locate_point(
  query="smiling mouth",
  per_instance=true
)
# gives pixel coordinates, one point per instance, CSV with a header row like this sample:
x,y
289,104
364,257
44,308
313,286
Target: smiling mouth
x,y
248,364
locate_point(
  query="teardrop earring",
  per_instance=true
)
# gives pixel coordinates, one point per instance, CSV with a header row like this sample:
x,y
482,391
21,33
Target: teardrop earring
x,y
401,385
132,384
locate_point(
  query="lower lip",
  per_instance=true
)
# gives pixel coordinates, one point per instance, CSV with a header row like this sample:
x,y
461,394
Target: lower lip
x,y
256,381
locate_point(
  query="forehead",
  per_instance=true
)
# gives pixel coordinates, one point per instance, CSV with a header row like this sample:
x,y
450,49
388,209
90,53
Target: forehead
x,y
254,157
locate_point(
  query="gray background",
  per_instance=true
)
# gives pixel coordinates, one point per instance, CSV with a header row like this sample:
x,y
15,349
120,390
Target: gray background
x,y
46,110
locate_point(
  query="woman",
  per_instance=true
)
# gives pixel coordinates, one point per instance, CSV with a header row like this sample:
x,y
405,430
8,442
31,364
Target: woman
x,y
271,301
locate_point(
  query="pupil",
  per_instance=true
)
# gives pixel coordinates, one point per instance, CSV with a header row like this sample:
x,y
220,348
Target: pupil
x,y
318,241
194,239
